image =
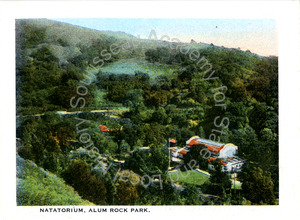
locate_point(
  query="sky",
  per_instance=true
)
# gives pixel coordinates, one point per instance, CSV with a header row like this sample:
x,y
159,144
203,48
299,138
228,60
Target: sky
x,y
257,35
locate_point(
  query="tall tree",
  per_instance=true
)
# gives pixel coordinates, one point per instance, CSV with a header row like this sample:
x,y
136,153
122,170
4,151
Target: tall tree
x,y
257,185
220,180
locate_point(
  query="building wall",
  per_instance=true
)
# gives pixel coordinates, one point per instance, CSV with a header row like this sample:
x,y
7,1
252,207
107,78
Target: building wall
x,y
229,150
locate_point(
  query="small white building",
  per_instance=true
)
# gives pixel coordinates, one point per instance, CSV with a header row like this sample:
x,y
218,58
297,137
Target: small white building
x,y
231,164
178,152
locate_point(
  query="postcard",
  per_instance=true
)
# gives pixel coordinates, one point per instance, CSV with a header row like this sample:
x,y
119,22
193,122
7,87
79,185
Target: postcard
x,y
134,116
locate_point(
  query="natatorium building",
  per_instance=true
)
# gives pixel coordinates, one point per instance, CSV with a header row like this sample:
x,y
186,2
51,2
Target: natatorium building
x,y
227,154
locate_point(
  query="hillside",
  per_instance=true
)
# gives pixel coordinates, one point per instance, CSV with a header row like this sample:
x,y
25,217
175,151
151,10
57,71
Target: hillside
x,y
35,186
65,39
67,31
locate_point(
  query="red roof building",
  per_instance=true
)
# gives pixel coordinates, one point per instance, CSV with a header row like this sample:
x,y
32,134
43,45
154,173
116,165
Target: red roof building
x,y
217,149
173,141
103,128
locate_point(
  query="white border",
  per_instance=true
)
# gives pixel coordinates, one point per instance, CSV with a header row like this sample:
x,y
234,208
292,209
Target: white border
x,y
287,16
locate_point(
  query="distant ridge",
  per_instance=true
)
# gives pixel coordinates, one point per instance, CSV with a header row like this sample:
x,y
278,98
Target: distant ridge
x,y
76,35
73,33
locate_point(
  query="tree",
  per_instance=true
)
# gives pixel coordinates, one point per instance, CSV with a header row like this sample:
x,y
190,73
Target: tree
x,y
127,192
159,160
257,185
168,195
32,36
160,116
220,177
264,83
87,184
135,96
220,183
194,154
237,113
191,195
246,139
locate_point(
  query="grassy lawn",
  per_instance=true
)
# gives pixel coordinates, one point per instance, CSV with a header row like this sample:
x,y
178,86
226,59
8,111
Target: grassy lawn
x,y
193,177
189,177
236,186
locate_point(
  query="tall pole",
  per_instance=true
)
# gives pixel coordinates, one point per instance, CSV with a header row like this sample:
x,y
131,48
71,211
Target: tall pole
x,y
234,183
169,153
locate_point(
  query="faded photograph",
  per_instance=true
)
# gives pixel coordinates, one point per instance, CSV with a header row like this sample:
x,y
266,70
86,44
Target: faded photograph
x,y
147,112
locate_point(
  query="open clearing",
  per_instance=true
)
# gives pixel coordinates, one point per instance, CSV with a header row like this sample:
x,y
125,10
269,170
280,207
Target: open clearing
x,y
189,177
130,66
195,178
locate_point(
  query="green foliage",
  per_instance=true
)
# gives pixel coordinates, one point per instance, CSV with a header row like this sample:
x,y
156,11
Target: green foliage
x,y
257,185
32,36
194,154
264,84
151,162
126,193
191,195
169,195
220,182
45,139
35,186
219,177
87,184
154,195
